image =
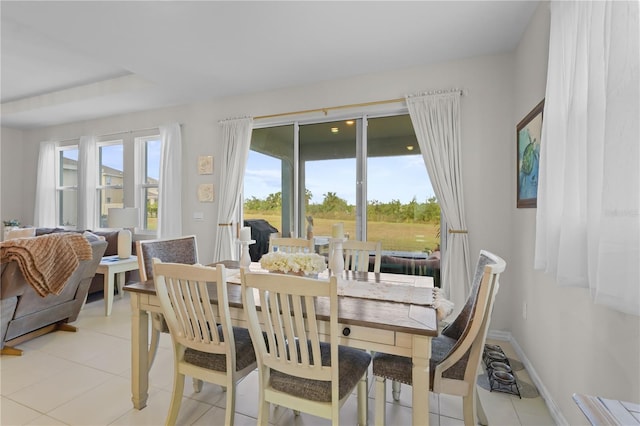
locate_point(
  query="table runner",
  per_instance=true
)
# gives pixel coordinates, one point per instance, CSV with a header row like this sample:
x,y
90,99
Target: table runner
x,y
388,291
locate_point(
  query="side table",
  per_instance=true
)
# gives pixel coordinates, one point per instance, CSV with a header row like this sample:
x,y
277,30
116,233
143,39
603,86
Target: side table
x,y
110,266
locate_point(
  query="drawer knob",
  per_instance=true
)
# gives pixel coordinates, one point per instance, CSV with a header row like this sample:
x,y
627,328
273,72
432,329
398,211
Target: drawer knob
x,y
346,331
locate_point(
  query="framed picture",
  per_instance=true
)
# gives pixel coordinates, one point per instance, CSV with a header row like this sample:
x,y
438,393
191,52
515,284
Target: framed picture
x,y
528,134
205,165
205,192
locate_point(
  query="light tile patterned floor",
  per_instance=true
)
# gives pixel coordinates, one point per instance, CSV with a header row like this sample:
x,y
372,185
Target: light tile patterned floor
x,y
83,378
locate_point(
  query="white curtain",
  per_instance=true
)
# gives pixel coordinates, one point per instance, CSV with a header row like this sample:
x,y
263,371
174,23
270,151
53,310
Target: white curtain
x,y
170,184
44,213
436,121
87,182
588,217
236,141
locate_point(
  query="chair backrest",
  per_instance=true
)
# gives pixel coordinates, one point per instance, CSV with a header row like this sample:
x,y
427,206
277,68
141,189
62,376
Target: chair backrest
x,y
193,322
287,310
471,325
291,245
357,255
175,250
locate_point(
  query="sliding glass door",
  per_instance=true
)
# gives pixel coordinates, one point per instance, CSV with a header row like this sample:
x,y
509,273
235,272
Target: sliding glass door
x,y
365,172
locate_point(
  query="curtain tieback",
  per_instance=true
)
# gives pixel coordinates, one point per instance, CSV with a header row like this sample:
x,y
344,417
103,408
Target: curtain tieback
x,y
225,224
458,231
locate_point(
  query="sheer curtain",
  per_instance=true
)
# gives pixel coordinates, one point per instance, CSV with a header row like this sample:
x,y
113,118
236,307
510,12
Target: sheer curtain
x,y
170,182
436,121
44,213
236,141
588,217
87,182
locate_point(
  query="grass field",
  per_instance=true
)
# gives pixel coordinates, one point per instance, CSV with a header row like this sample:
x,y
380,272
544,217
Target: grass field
x,y
394,236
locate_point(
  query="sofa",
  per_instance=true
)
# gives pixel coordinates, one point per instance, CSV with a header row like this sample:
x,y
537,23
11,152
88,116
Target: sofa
x,y
25,314
111,237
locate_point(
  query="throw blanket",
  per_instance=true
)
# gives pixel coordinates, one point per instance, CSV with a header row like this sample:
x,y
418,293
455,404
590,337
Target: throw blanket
x,y
47,261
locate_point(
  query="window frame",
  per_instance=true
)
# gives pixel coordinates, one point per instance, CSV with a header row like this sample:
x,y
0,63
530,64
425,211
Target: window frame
x,y
59,168
103,142
140,182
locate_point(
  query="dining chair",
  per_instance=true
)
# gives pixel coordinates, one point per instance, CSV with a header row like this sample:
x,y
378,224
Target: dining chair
x,y
295,369
455,353
291,245
175,250
206,345
357,255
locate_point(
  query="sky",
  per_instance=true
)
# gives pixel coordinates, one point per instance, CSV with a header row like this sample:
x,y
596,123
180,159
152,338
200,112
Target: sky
x,y
389,178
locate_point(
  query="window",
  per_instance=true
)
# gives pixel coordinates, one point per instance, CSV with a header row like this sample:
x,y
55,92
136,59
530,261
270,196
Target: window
x,y
149,168
128,173
365,172
67,186
111,179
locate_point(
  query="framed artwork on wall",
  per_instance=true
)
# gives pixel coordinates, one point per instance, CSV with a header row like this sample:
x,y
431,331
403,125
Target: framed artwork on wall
x,y
528,134
205,192
205,165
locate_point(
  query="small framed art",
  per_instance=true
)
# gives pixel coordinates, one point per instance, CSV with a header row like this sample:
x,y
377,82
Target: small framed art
x,y
528,135
205,192
205,165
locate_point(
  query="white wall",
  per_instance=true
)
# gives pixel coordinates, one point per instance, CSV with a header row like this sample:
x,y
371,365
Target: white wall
x,y
573,345
12,205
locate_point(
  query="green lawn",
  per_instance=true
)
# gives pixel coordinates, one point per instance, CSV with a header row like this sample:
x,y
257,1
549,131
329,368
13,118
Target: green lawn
x,y
394,236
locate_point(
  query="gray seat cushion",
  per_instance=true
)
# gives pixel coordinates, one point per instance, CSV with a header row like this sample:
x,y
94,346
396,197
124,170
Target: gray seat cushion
x,y
352,364
245,354
398,368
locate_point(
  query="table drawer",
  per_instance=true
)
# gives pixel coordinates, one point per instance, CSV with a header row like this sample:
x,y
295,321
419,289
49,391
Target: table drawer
x,y
357,333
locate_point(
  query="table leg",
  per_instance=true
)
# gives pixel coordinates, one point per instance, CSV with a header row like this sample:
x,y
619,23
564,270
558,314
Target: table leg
x,y
120,282
139,354
108,293
420,378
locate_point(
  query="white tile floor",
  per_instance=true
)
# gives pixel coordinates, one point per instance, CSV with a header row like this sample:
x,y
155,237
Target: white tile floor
x,y
83,378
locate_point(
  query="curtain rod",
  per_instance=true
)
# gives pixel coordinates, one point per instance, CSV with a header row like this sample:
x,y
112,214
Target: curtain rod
x,y
112,134
362,104
327,109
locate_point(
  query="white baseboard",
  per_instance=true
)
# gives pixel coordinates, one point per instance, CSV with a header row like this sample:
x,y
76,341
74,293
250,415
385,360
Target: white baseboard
x,y
555,412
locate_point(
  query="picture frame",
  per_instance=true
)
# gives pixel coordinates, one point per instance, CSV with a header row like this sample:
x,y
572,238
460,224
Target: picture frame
x,y
205,164
528,138
205,192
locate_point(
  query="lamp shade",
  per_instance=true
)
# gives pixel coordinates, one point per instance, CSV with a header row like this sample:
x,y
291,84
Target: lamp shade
x,y
122,217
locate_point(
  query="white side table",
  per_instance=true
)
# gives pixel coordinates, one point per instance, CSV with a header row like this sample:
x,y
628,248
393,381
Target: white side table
x,y
110,266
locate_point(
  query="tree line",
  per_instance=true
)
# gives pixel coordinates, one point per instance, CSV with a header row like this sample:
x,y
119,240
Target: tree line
x,y
335,207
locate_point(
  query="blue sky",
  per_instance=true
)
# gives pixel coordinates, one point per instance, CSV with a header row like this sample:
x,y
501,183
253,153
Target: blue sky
x,y
389,178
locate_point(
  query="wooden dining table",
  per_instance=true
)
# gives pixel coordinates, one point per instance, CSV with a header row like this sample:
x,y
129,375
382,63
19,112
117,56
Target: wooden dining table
x,y
401,328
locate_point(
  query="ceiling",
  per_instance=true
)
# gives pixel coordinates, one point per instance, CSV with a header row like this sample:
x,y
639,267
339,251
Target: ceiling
x,y
77,60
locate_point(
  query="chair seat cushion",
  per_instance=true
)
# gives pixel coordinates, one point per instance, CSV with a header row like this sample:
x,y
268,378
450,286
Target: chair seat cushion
x,y
245,355
398,368
352,364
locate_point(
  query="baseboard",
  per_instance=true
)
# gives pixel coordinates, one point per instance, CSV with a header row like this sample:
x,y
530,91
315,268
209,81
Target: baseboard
x,y
554,410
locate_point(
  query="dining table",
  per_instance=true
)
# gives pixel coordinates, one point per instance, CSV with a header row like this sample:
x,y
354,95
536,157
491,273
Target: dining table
x,y
379,312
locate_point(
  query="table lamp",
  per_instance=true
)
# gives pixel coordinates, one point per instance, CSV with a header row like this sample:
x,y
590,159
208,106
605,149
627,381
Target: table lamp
x,y
127,219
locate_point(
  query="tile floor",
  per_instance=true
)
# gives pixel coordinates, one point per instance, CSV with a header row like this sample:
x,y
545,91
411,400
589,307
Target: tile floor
x,y
83,378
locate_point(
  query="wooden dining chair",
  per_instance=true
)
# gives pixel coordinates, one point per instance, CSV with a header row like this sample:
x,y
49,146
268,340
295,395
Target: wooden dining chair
x,y
291,245
357,255
296,370
456,353
175,250
205,344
